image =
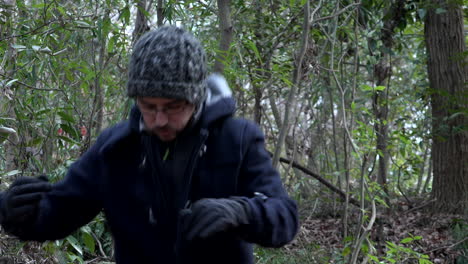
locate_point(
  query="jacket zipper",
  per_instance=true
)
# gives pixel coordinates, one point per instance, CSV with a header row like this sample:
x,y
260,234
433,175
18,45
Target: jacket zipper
x,y
201,147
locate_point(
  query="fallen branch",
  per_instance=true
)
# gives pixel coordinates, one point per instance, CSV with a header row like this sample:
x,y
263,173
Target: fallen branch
x,y
419,207
320,179
447,247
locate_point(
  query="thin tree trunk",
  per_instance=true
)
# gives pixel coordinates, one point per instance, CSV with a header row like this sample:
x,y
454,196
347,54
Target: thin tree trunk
x,y
296,82
141,21
160,13
422,170
8,59
225,26
259,73
448,71
428,177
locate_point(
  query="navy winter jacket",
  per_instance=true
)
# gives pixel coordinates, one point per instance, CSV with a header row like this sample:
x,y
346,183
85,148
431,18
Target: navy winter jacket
x,y
114,177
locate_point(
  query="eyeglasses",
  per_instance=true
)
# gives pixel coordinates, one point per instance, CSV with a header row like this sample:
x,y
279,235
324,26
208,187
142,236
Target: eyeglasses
x,y
170,109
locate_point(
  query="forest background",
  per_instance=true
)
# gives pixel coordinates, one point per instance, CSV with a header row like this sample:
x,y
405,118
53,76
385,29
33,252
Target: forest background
x,y
363,104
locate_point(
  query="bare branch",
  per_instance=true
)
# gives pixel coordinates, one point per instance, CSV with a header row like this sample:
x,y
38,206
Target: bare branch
x,y
320,179
29,86
337,13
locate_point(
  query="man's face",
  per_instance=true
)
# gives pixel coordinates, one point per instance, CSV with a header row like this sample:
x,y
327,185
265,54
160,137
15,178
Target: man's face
x,y
165,117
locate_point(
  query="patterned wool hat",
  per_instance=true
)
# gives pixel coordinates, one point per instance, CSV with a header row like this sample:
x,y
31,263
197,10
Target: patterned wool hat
x,y
168,62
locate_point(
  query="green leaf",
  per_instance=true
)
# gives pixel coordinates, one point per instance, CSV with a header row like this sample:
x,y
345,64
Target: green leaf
x,y
67,139
106,24
346,251
61,10
35,142
7,130
72,132
406,140
125,15
12,173
373,258
75,244
111,44
88,240
253,47
6,119
38,6
379,88
366,87
391,244
10,82
406,240
440,10
422,13
82,24
66,117
18,47
424,261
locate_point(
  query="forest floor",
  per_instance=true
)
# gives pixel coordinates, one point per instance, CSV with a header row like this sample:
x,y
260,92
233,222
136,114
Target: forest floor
x,y
408,235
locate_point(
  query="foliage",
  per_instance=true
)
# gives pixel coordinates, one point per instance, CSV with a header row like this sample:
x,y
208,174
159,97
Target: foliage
x,y
62,80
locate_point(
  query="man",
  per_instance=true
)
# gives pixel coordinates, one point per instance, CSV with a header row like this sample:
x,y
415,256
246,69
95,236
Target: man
x,y
182,181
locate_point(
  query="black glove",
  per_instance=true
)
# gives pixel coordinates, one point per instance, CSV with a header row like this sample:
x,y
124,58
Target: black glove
x,y
211,216
19,205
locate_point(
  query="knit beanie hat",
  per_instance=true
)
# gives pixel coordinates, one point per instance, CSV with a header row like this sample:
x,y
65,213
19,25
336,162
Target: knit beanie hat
x,y
168,62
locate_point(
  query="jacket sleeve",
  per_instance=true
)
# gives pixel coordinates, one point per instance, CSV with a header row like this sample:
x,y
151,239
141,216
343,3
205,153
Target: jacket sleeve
x,y
73,201
274,217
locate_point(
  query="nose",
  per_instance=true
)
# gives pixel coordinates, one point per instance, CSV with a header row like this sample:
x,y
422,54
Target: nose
x,y
161,119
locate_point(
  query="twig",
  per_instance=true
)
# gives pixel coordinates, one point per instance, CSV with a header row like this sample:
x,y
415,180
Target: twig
x,y
419,207
99,245
357,246
29,86
335,14
47,23
446,247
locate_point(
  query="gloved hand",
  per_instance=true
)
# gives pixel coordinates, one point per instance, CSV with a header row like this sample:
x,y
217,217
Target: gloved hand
x,y
211,216
19,204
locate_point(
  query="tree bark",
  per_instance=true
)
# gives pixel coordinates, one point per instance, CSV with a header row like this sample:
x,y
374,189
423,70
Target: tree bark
x,y
141,22
225,26
160,13
448,71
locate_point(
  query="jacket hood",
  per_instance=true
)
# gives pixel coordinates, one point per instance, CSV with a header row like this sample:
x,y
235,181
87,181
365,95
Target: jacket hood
x,y
219,102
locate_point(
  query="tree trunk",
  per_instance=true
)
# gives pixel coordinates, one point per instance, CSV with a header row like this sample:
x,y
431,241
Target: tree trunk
x,y
160,13
225,26
448,71
256,86
296,82
9,58
141,22
382,72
